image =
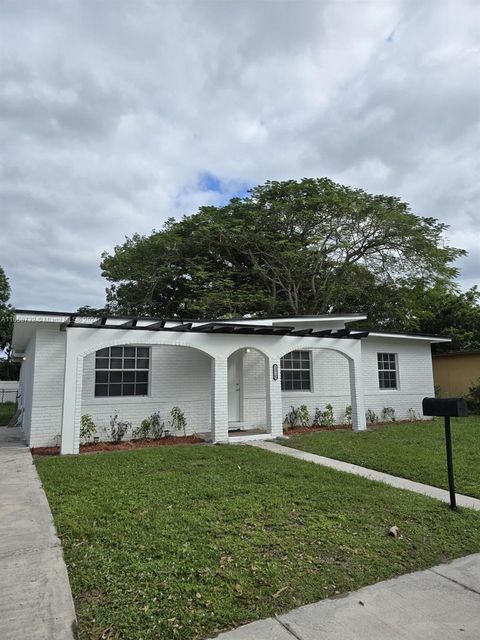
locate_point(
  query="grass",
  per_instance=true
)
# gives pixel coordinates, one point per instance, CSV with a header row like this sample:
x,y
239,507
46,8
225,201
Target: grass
x,y
415,451
183,542
7,411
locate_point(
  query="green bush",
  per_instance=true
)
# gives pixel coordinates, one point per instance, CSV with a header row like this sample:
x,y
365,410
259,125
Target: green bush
x,y
299,417
118,429
473,397
348,414
388,414
412,415
87,428
290,420
371,417
324,418
178,421
151,427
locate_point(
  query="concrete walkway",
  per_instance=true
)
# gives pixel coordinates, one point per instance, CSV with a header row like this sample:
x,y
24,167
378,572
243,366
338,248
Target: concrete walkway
x,y
442,603
394,481
35,598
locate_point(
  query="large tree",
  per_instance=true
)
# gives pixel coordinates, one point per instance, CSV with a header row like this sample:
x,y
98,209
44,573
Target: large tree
x,y
5,311
295,247
8,370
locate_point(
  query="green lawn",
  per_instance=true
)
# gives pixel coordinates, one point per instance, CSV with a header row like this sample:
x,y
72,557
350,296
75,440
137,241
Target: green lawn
x,y
183,542
415,450
7,410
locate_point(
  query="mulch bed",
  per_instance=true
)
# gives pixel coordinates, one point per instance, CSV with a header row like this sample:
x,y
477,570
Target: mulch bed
x,y
127,445
340,427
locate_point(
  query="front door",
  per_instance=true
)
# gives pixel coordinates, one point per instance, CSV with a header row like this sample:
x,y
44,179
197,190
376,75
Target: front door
x,y
235,381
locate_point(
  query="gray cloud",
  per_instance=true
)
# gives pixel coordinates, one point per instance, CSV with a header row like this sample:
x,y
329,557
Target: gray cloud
x,y
111,113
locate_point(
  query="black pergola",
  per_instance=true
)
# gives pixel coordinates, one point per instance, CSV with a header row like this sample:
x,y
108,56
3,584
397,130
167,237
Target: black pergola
x,y
105,322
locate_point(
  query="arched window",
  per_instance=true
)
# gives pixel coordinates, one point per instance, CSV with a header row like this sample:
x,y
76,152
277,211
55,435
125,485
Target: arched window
x,y
122,371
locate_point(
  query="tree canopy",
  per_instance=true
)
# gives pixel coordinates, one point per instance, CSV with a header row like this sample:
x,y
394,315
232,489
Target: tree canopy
x,y
8,370
295,247
5,311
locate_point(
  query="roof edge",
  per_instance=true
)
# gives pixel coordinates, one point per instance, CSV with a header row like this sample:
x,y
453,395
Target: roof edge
x,y
413,336
94,314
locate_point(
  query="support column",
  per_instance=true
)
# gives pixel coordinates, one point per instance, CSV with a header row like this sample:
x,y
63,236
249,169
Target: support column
x,y
72,401
273,392
219,399
359,422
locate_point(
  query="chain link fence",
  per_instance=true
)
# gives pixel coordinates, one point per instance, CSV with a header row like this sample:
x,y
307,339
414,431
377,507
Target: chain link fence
x,y
8,405
8,396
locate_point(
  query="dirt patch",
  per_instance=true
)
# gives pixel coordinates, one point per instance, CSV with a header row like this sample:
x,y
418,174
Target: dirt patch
x,y
128,445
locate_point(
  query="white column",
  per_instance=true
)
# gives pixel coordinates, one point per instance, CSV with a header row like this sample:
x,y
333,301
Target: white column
x,y
72,400
219,399
359,422
273,390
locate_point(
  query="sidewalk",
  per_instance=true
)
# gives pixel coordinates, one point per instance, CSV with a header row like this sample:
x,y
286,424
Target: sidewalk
x,y
370,474
442,603
35,598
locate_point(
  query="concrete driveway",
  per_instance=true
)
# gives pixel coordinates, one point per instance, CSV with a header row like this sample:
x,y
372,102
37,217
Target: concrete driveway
x,y
35,597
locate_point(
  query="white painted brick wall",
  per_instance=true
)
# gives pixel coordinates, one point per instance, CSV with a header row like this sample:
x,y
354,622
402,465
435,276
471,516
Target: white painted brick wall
x,y
47,399
331,381
182,376
414,370
331,384
178,376
26,387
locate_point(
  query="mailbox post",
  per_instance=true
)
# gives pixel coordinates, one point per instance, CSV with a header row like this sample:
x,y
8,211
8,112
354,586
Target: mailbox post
x,y
448,408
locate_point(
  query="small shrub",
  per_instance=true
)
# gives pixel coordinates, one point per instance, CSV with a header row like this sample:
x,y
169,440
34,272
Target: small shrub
x,y
317,418
328,418
473,397
157,427
142,432
57,440
118,429
303,415
371,417
348,416
412,415
324,418
87,428
291,419
151,427
297,417
388,413
437,391
178,421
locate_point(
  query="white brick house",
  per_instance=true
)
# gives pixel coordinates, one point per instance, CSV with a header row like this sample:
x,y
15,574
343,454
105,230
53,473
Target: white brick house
x,y
228,377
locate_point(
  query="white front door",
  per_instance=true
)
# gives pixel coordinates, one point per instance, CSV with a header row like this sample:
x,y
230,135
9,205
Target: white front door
x,y
235,381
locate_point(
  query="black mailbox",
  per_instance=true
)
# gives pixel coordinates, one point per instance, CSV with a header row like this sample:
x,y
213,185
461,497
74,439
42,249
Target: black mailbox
x,y
453,407
448,408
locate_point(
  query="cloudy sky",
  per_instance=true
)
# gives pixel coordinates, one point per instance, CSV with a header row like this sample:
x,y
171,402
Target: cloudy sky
x,y
116,114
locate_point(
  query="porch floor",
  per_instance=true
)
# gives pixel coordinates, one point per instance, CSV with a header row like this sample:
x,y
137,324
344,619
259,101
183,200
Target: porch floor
x,y
239,435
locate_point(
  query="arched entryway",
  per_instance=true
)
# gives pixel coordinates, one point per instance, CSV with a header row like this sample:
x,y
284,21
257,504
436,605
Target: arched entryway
x,y
246,379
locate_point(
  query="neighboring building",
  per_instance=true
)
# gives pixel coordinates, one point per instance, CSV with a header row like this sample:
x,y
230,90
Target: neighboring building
x,y
456,371
229,377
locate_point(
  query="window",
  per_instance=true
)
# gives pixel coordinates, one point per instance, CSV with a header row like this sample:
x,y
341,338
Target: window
x,y
295,370
387,370
122,371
